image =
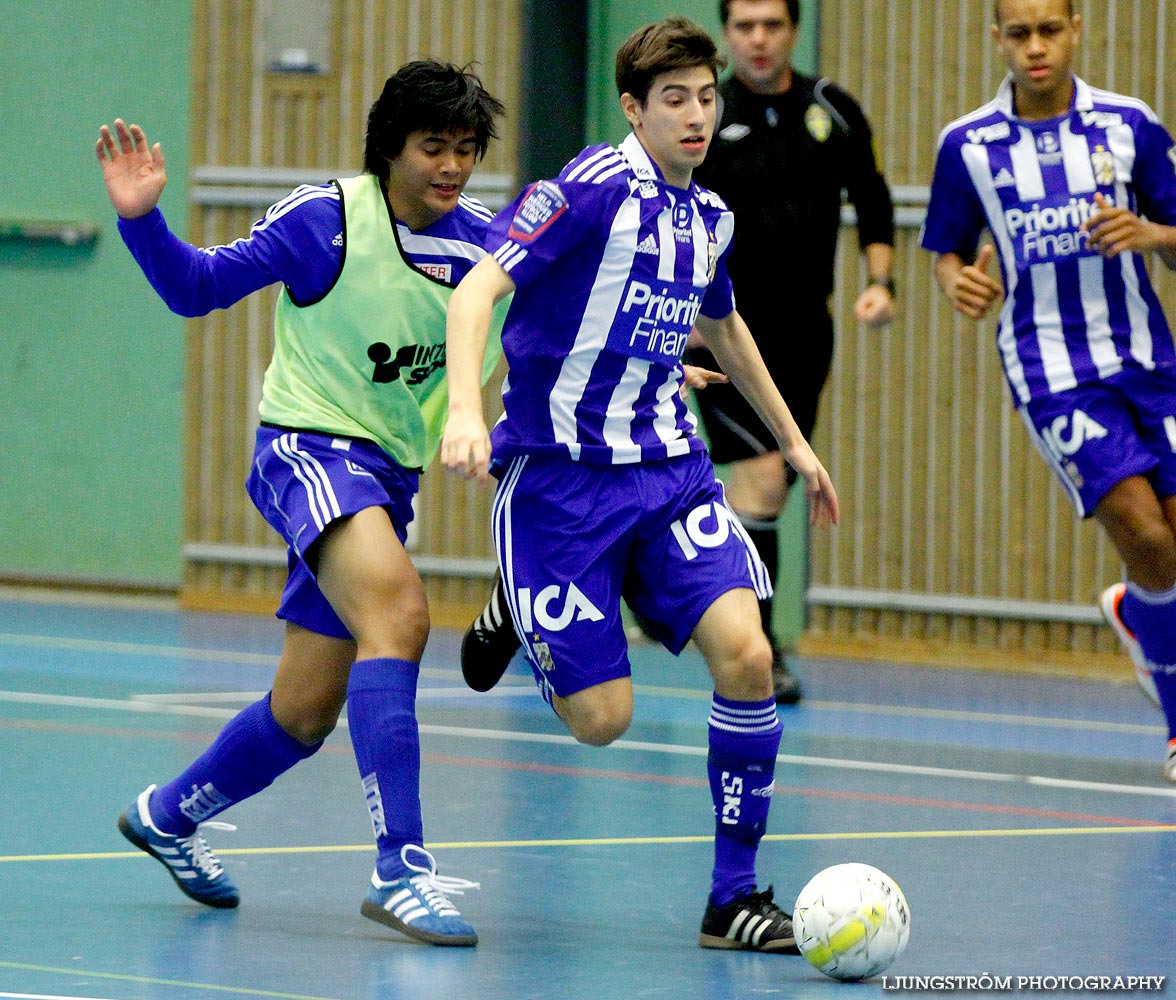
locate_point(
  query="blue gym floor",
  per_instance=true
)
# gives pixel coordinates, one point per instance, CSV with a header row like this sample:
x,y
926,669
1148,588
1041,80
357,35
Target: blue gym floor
x,y
1024,817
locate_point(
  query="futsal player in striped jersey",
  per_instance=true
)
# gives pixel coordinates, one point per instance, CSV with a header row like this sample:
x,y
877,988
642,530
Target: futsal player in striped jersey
x,y
1077,186
351,409
605,488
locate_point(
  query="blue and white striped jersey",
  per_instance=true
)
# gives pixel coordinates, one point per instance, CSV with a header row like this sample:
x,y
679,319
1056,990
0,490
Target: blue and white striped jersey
x,y
1071,317
612,266
299,242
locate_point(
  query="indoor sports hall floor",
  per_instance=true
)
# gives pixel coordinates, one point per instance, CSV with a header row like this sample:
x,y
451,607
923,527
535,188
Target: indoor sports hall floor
x,y
1024,817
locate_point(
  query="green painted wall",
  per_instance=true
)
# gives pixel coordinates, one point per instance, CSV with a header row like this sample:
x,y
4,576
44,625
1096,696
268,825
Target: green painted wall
x,y
91,364
611,23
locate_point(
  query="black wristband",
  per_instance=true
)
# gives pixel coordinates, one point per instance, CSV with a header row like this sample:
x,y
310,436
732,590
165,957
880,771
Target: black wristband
x,y
887,283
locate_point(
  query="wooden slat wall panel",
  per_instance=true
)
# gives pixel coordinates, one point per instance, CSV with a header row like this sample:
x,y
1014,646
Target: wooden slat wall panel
x,y
944,494
243,115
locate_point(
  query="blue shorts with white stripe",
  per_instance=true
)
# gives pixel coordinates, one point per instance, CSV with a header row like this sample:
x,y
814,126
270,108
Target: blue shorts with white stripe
x,y
301,481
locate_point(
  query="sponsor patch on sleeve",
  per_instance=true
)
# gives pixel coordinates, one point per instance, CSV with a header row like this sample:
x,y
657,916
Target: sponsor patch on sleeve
x,y
543,204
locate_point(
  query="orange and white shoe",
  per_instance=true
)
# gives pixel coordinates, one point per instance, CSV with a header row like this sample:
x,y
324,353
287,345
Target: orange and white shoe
x,y
1110,601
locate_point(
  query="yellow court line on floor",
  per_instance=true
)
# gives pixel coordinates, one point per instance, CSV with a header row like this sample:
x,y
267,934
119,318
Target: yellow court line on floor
x,y
150,981
459,845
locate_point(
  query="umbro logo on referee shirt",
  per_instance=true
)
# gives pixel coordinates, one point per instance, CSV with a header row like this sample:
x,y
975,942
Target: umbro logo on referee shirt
x,y
735,132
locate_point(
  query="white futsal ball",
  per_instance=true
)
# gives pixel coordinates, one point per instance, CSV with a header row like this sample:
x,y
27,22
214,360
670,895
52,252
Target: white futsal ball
x,y
851,921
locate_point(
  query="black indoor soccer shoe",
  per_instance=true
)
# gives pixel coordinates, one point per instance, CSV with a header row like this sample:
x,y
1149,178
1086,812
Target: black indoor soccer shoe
x,y
753,923
490,643
785,684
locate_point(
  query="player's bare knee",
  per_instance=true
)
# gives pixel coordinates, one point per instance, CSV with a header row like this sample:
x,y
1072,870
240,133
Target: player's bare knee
x,y
1151,556
745,671
599,733
310,721
413,625
599,726
397,629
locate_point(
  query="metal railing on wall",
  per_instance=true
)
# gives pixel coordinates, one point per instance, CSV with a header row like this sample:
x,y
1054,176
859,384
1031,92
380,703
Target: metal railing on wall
x,y
953,529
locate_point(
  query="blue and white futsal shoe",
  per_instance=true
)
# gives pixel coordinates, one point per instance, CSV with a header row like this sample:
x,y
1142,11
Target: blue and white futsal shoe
x,y
189,860
1110,600
418,905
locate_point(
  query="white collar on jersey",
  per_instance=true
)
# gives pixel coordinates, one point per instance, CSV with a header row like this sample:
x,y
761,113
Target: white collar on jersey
x,y
644,169
1083,97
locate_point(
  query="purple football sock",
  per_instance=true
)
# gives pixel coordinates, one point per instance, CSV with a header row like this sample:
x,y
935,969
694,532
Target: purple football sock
x,y
250,752
744,741
1151,615
381,714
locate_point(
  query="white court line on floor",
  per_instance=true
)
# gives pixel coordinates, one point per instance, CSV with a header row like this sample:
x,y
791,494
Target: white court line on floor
x,y
44,996
186,653
143,707
511,690
268,659
136,649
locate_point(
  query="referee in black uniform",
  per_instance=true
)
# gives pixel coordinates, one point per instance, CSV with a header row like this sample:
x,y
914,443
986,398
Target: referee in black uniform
x,y
786,146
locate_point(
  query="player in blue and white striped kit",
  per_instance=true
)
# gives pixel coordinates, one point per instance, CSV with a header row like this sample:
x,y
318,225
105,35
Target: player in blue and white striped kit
x,y
605,488
1076,185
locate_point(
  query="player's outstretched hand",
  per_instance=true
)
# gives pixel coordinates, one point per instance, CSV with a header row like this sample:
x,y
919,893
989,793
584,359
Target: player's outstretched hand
x,y
133,173
465,446
700,378
824,507
973,290
1112,231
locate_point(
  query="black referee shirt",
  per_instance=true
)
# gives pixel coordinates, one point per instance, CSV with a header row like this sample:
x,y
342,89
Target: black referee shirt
x,y
781,162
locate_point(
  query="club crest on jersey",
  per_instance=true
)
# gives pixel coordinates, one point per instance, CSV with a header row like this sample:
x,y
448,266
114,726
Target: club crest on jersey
x,y
543,204
712,258
818,122
542,654
1103,162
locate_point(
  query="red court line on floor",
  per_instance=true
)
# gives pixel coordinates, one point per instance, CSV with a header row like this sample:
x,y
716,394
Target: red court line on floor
x,y
816,793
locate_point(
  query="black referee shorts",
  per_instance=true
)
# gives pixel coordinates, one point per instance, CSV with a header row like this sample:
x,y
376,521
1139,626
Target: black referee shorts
x,y
799,363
